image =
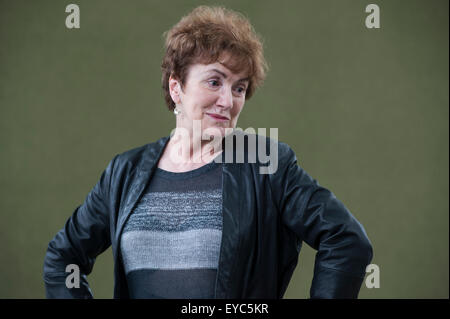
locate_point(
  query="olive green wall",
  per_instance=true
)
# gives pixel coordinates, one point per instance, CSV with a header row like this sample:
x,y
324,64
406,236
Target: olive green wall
x,y
366,111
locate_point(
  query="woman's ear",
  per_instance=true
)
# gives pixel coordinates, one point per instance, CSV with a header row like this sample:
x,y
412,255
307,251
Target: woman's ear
x,y
174,89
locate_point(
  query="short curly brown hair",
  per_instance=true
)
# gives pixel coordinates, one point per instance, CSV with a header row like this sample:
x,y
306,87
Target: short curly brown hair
x,y
203,36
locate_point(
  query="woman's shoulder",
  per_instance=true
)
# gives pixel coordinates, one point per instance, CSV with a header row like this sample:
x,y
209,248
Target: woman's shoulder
x,y
269,142
147,151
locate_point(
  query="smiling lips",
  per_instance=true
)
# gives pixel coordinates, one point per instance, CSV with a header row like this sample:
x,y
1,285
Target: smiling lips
x,y
218,117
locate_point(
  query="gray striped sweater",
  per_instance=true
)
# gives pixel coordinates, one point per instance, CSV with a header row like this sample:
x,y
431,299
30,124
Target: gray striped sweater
x,y
170,244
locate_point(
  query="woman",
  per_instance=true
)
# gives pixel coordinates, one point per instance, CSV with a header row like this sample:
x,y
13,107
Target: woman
x,y
186,222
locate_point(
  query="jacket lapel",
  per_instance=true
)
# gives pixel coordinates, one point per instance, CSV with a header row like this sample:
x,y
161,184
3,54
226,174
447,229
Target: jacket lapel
x,y
145,170
230,228
231,207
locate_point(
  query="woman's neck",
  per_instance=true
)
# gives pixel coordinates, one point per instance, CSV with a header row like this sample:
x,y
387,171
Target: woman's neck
x,y
187,151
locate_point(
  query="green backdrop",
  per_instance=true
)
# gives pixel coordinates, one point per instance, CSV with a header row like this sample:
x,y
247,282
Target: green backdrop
x,y
365,110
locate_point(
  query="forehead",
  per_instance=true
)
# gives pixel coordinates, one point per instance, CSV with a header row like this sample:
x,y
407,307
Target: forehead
x,y
199,69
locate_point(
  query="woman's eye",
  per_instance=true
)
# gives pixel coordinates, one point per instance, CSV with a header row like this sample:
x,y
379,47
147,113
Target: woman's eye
x,y
214,82
240,89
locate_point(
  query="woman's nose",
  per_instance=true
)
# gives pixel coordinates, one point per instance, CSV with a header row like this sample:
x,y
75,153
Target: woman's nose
x,y
225,98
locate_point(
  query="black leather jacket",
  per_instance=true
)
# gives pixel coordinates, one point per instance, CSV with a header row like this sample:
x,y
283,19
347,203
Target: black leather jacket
x,y
266,217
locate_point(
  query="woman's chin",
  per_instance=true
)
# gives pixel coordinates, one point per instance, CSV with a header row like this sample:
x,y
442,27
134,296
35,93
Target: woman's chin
x,y
217,130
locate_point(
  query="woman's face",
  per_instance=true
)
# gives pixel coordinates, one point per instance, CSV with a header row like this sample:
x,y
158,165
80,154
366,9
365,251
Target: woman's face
x,y
212,94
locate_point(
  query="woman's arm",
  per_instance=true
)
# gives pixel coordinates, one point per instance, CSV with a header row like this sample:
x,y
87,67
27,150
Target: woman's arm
x,y
85,235
317,217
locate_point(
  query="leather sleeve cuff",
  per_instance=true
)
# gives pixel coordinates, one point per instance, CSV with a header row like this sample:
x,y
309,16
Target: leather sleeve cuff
x,y
334,284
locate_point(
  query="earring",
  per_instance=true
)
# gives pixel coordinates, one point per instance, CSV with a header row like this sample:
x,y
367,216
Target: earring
x,y
176,111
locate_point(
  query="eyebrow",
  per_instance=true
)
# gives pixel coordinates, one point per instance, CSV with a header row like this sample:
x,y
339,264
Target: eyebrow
x,y
225,76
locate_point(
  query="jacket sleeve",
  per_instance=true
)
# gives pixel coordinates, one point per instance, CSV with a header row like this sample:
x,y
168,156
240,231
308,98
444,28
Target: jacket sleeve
x,y
85,235
318,218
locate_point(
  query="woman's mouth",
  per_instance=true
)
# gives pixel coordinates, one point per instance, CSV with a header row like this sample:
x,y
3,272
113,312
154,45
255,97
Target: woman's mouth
x,y
217,117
